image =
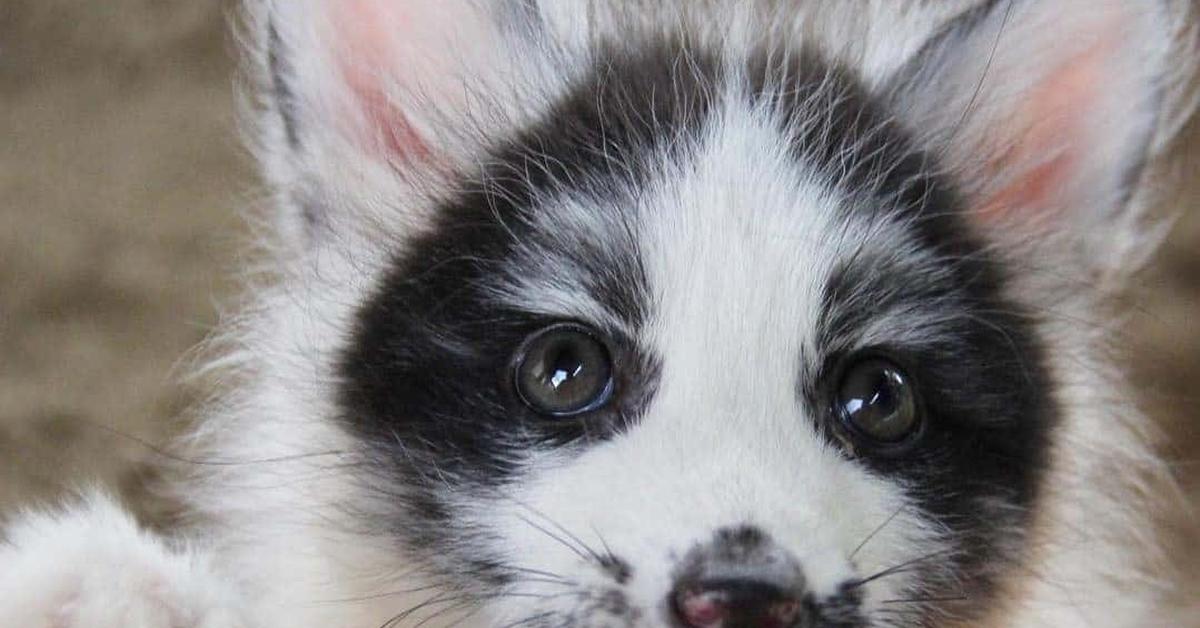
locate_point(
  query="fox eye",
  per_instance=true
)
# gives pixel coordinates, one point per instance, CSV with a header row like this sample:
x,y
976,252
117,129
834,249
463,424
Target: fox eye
x,y
877,402
563,370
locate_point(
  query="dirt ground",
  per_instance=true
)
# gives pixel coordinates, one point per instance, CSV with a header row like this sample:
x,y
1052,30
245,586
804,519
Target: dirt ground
x,y
120,182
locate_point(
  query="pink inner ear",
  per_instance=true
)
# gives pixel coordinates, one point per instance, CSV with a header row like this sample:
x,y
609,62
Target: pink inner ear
x,y
1047,157
368,32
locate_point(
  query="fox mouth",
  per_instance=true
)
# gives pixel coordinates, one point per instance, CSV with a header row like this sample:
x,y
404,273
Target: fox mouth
x,y
738,579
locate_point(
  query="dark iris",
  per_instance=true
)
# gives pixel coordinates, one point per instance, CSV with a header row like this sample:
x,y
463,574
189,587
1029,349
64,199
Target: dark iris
x,y
876,401
563,370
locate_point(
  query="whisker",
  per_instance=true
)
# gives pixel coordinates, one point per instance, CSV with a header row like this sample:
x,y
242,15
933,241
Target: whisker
x,y
578,552
986,70
459,600
561,583
563,529
538,572
877,530
603,543
531,618
895,569
436,599
162,452
377,596
916,600
444,611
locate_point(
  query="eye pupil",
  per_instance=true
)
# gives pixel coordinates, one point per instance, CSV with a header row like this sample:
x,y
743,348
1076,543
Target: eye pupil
x,y
877,401
562,371
566,366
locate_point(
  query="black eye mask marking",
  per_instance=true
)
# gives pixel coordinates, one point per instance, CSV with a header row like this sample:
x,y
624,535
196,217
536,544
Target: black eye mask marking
x,y
979,372
428,375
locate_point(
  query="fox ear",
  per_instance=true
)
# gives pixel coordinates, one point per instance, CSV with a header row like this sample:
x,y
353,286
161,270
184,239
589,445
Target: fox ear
x,y
370,99
1044,112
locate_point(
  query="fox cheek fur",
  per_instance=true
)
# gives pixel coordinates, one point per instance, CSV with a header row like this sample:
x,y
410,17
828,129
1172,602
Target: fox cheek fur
x,y
687,315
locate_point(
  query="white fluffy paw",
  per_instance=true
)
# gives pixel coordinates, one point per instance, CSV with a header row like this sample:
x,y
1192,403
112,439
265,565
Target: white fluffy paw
x,y
92,567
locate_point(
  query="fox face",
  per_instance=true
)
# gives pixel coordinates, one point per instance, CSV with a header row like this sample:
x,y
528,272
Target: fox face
x,y
674,316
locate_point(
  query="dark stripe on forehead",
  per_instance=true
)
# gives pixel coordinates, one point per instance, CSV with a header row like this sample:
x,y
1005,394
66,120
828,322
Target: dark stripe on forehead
x,y
834,125
603,142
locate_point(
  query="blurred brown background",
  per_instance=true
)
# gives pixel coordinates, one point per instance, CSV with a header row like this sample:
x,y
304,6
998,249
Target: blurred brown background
x,y
120,181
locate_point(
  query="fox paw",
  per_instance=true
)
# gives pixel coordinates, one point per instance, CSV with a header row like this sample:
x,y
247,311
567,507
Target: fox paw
x,y
91,566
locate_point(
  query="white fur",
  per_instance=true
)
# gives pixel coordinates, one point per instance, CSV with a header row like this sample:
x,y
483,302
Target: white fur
x,y
93,566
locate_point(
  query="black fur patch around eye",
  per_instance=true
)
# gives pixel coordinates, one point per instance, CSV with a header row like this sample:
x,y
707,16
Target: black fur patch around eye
x,y
426,376
985,395
979,368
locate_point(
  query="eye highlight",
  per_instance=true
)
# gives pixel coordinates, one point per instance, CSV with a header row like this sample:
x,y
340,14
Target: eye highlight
x,y
876,402
563,370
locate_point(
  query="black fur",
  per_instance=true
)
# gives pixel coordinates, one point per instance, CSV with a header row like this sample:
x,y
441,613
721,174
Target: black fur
x,y
426,377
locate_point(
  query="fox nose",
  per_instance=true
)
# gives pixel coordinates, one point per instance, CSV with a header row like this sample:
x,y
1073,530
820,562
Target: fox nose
x,y
739,579
735,603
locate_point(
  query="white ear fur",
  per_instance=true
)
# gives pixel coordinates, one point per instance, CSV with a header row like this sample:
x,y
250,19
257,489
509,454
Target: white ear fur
x,y
1044,111
375,102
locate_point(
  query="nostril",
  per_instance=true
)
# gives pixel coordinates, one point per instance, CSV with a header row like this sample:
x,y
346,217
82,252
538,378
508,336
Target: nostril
x,y
699,608
734,603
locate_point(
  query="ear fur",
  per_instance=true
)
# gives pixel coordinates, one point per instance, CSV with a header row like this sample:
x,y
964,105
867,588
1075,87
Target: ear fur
x,y
374,102
1044,112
